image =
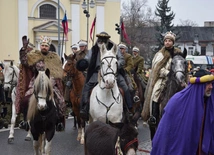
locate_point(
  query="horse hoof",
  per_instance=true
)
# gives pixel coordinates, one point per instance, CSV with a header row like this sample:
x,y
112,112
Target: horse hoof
x,y
27,139
82,142
10,140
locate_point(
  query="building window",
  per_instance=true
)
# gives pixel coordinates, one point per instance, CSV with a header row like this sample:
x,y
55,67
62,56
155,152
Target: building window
x,y
47,11
203,50
190,51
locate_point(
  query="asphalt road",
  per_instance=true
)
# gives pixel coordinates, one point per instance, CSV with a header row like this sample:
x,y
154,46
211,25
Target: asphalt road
x,y
64,143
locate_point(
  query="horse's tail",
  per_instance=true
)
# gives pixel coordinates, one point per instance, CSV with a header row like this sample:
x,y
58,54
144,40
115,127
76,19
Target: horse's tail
x,y
32,108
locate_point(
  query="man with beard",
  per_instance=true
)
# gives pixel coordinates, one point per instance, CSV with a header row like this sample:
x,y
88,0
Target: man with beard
x,y
187,125
33,60
93,69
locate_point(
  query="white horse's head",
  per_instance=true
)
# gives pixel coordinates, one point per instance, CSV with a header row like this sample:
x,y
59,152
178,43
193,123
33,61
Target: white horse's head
x,y
43,89
11,73
108,67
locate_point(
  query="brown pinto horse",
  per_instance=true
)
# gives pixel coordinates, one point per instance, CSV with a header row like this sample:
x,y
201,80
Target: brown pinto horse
x,y
78,81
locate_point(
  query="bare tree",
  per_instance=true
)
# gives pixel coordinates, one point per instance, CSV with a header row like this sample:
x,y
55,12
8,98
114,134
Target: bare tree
x,y
137,16
187,22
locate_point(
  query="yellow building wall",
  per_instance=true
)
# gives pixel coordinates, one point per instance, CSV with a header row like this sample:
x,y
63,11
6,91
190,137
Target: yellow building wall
x,y
9,30
112,16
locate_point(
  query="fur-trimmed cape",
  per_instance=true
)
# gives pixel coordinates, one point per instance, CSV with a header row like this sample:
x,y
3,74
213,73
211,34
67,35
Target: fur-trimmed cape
x,y
52,62
153,78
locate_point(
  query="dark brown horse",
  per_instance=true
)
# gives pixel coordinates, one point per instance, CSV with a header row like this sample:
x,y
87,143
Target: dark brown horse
x,y
78,81
141,87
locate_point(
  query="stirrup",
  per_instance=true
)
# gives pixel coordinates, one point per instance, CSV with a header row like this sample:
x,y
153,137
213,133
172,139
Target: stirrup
x,y
152,120
136,99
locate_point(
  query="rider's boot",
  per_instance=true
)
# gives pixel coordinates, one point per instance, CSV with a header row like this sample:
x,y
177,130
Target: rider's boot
x,y
129,101
155,113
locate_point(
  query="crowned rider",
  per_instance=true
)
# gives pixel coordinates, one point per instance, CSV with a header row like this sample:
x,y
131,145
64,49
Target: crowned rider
x,y
92,73
41,60
157,80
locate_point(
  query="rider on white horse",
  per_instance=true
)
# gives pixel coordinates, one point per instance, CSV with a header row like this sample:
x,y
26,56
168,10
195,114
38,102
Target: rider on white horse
x,y
92,74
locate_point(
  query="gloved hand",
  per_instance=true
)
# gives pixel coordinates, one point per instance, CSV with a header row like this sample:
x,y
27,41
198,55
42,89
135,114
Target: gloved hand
x,y
25,42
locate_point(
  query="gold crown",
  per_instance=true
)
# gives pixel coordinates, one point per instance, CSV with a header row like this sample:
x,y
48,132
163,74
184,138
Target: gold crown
x,y
44,40
169,35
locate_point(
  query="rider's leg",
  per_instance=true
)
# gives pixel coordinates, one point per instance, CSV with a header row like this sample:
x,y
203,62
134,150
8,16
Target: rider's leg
x,y
155,113
84,104
127,95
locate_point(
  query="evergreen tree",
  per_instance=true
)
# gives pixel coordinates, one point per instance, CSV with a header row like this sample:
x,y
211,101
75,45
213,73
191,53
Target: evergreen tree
x,y
163,11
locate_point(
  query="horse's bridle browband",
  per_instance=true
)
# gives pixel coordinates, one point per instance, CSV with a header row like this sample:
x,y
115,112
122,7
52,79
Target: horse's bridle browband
x,y
109,67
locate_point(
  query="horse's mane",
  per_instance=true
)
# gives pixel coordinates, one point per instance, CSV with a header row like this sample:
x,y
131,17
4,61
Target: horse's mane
x,y
41,83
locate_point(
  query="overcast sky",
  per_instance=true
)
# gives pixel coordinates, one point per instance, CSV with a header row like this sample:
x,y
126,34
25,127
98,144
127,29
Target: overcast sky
x,y
197,11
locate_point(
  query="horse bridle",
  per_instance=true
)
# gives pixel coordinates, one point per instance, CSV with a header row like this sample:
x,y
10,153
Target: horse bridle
x,y
11,81
135,140
69,71
109,67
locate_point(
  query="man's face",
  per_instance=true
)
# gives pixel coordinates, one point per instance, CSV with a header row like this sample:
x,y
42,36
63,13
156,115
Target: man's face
x,y
208,89
168,43
82,48
122,50
44,48
102,40
74,50
135,53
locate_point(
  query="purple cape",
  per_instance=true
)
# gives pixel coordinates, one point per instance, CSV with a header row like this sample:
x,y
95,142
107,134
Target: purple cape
x,y
178,132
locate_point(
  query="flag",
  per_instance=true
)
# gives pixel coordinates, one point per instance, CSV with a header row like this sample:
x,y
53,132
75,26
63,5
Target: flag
x,y
65,26
92,28
124,33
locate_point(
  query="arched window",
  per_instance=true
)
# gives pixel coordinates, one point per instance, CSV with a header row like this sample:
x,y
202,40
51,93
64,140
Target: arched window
x,y
47,11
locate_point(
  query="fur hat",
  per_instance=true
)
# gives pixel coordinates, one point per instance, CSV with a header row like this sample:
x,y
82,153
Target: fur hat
x,y
44,40
122,45
74,46
169,35
82,64
82,43
103,35
135,49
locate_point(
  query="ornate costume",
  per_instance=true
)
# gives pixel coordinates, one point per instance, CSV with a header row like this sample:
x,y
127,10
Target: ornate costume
x,y
157,79
187,125
35,59
161,64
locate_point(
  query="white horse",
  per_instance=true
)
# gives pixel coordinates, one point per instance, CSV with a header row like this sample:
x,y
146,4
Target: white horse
x,y
11,73
106,102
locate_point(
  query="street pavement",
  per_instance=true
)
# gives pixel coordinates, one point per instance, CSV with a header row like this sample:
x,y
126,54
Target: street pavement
x,y
64,143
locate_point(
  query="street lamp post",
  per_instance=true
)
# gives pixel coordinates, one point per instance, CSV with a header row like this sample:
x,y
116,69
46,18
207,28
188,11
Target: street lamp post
x,y
85,7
